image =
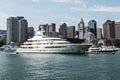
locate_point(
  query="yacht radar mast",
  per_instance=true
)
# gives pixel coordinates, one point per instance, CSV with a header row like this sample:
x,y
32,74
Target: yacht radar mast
x,y
41,32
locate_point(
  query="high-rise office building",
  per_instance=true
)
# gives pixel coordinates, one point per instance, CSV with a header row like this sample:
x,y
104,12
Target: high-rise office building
x,y
109,30
63,30
89,37
86,29
81,29
12,30
92,24
23,29
50,29
30,32
2,37
117,30
71,32
99,33
16,29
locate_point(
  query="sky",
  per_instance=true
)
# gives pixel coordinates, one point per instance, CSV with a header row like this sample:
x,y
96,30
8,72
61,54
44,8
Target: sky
x,y
59,11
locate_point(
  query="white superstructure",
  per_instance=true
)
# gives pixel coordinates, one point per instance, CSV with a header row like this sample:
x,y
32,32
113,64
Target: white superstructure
x,y
42,44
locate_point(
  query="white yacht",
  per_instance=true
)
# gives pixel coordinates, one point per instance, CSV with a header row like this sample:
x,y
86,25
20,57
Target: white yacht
x,y
40,43
102,49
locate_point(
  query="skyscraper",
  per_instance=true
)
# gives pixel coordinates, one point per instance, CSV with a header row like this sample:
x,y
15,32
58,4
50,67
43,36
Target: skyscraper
x,y
12,30
71,32
109,30
92,24
16,29
23,29
86,29
99,33
30,32
117,30
50,29
81,29
63,30
89,37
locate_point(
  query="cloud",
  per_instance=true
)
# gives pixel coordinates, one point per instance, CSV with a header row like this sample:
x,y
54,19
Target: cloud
x,y
71,18
67,1
105,9
3,15
35,0
61,1
97,8
3,19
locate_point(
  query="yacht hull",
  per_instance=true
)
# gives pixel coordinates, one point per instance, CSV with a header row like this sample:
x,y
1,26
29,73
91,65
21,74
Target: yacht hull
x,y
71,49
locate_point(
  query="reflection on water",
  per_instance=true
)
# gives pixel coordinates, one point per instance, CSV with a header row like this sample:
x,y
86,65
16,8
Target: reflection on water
x,y
59,67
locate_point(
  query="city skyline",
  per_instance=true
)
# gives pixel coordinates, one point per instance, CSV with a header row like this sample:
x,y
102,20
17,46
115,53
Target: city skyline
x,y
59,11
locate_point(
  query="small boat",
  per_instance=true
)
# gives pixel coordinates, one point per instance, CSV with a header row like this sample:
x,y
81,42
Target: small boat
x,y
102,49
9,48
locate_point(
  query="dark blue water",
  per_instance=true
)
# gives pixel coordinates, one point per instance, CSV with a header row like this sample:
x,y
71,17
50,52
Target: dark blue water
x,y
59,67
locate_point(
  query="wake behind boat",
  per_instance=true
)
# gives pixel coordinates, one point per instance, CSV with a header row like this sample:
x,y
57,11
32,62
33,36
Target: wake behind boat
x,y
40,43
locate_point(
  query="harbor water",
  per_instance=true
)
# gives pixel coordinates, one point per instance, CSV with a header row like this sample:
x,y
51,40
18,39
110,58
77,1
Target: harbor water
x,y
59,66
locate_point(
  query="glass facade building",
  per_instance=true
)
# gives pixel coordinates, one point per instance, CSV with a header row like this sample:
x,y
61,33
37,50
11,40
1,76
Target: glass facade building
x,y
16,29
92,24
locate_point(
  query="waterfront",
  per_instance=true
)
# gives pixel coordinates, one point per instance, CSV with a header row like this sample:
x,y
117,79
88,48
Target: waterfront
x,y
59,67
